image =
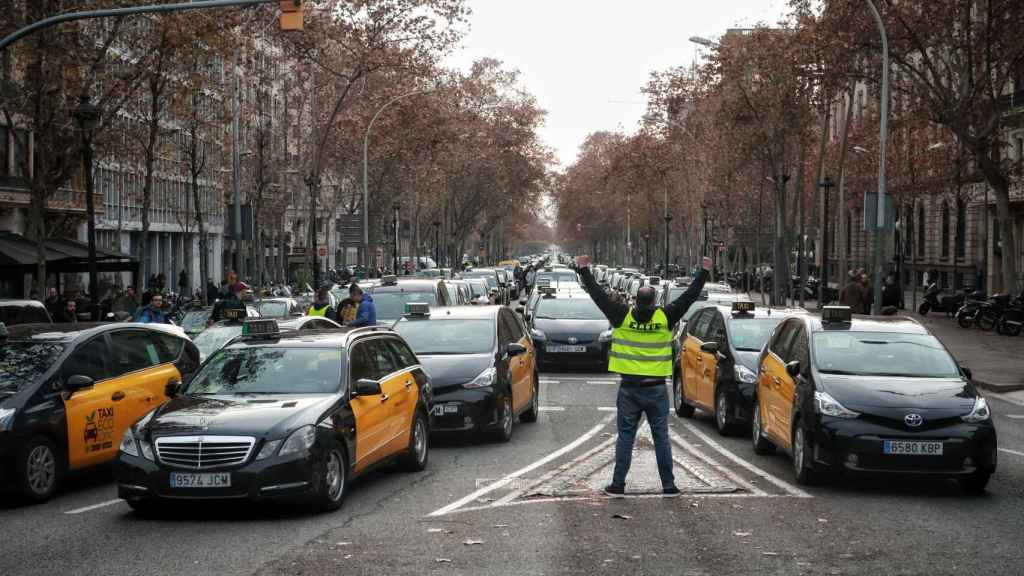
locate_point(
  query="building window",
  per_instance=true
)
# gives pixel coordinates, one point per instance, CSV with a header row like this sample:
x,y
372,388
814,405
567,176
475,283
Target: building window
x,y
945,229
920,230
961,228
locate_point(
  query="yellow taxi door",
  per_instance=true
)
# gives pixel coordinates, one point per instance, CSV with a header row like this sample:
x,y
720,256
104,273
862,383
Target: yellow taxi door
x,y
510,333
786,394
772,377
142,366
369,411
693,358
709,361
90,412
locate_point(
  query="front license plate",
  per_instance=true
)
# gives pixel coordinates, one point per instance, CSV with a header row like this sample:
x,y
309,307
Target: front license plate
x,y
446,409
560,348
912,448
189,480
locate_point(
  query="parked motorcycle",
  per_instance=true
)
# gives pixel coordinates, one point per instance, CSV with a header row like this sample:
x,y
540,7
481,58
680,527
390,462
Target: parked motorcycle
x,y
936,300
991,311
968,311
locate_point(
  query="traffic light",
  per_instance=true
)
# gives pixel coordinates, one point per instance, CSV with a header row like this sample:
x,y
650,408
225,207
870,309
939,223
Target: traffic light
x,y
291,15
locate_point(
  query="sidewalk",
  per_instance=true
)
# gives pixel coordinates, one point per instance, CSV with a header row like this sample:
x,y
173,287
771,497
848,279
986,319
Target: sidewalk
x,y
996,362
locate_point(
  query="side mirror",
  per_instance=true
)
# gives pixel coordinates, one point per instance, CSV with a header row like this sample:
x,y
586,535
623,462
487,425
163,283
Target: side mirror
x,y
709,347
522,301
520,310
172,388
515,349
78,382
367,387
793,368
967,372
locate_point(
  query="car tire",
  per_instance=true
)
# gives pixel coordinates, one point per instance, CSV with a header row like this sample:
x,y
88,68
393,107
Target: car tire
x,y
1011,329
985,320
416,456
333,481
683,410
38,469
761,444
803,461
725,425
964,320
531,413
504,431
976,482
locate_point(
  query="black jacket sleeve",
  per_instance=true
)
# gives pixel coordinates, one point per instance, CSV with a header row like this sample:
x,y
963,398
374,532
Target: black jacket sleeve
x,y
680,305
615,313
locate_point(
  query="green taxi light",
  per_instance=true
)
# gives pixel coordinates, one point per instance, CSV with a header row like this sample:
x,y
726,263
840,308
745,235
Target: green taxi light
x,y
833,314
259,327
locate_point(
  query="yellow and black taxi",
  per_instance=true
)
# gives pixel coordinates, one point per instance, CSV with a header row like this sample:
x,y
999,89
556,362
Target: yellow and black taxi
x,y
569,329
716,369
69,391
482,366
282,415
852,394
393,293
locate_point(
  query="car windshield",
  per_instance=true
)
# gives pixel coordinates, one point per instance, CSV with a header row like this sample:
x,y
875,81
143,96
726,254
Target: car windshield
x,y
273,309
392,304
214,338
882,354
22,363
453,336
27,314
559,276
270,370
194,321
568,309
694,308
478,287
489,277
750,334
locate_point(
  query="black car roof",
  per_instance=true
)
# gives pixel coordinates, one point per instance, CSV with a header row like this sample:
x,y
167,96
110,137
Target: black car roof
x,y
460,313
70,332
406,284
762,311
311,338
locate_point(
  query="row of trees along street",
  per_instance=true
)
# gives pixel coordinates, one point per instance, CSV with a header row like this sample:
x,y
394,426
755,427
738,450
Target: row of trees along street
x,y
461,156
735,149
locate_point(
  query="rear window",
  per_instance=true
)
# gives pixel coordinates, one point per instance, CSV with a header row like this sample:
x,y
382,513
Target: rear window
x,y
568,309
23,314
392,304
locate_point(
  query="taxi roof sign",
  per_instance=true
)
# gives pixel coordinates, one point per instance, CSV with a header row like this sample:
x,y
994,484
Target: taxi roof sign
x,y
417,309
834,314
233,313
654,280
743,307
260,327
389,280
547,290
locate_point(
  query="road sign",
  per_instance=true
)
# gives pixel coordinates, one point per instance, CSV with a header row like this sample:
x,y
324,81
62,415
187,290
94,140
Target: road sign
x,y
350,229
323,251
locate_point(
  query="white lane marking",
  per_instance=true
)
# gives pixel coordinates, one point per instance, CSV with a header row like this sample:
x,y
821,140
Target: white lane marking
x,y
1014,452
598,497
602,382
552,408
1014,416
718,467
607,409
94,506
792,490
510,477
546,381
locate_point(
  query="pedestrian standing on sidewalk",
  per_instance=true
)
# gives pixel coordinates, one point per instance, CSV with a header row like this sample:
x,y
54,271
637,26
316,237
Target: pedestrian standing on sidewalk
x,y
853,294
641,354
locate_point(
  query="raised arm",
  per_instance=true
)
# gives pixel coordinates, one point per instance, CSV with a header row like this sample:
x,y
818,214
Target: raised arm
x,y
615,312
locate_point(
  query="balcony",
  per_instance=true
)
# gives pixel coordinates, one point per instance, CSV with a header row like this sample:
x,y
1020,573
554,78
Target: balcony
x,y
63,200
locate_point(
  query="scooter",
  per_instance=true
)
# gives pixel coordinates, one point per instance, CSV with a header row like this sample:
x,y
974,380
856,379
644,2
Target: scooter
x,y
968,312
934,300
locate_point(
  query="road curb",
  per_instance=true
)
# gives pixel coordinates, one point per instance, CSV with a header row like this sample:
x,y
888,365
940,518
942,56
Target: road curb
x,y
998,388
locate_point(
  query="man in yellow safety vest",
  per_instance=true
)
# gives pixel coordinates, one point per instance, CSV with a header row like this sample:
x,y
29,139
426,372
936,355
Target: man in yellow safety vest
x,y
322,305
641,353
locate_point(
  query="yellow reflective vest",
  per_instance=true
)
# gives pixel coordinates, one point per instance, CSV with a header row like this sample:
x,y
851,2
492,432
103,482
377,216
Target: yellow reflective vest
x,y
314,311
642,349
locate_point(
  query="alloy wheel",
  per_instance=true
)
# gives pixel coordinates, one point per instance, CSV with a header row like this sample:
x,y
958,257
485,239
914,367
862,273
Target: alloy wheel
x,y
506,416
42,469
722,412
419,441
334,476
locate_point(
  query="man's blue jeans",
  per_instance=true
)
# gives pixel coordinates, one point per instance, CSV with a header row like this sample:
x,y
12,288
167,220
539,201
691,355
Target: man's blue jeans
x,y
651,401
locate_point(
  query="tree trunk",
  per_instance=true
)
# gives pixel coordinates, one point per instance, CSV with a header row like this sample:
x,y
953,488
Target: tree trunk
x,y
37,221
844,263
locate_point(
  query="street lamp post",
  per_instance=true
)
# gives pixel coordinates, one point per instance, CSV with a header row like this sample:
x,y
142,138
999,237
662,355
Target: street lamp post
x,y
647,255
876,306
314,187
437,243
366,168
87,116
394,260
826,187
668,235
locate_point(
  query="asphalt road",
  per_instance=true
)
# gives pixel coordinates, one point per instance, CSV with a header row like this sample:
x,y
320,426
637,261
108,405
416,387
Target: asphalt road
x,y
531,507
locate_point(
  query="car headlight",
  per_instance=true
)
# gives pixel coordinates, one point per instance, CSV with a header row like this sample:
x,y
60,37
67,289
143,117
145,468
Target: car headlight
x,y
979,413
6,417
605,336
300,441
745,375
268,450
483,380
537,335
828,406
128,443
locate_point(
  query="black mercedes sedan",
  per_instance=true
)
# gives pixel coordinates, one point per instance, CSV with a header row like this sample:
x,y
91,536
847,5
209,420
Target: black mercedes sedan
x,y
281,415
569,330
843,393
482,367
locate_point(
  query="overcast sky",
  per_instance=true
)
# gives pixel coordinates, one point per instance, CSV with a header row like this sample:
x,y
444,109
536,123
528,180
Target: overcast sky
x,y
586,60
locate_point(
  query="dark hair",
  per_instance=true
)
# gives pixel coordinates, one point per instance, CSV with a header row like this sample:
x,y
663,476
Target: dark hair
x,y
355,289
